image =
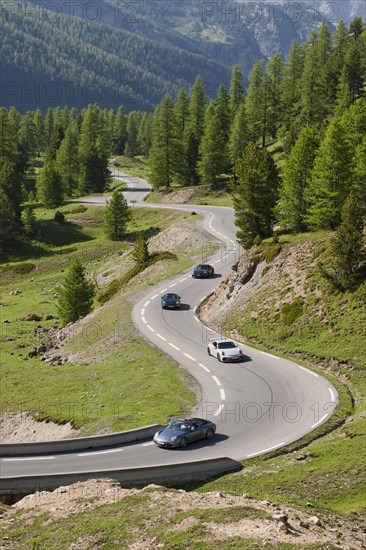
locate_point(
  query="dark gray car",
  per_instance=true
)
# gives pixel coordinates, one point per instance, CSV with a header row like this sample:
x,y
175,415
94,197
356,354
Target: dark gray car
x,y
181,432
203,271
170,301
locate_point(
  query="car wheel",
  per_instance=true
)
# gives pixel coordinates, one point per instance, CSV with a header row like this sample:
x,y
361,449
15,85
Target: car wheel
x,y
208,351
219,357
209,433
183,442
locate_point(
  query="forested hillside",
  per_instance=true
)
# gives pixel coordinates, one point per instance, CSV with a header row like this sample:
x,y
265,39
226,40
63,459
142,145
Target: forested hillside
x,y
134,53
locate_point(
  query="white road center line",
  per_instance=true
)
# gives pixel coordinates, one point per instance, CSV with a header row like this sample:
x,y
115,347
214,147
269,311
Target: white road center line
x,y
204,368
170,286
27,458
181,280
147,444
189,357
161,337
216,380
331,394
174,346
150,328
218,410
320,421
100,452
309,371
146,303
164,290
266,450
144,320
143,311
155,295
222,394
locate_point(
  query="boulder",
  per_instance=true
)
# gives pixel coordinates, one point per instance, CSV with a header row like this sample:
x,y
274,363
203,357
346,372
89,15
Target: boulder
x,y
33,317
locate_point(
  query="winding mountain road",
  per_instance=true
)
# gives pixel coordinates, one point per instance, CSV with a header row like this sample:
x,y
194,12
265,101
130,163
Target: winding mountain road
x,y
259,405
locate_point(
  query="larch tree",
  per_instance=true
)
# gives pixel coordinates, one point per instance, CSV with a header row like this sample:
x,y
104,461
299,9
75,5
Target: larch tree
x,y
117,214
49,186
77,295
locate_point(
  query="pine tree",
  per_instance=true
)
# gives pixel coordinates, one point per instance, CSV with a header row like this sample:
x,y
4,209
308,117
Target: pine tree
x,y
144,134
120,131
12,186
195,129
292,207
213,150
29,221
55,140
257,103
239,137
274,72
116,217
166,149
131,147
49,185
255,194
67,161
332,180
291,92
77,294
236,91
347,243
92,153
140,251
9,226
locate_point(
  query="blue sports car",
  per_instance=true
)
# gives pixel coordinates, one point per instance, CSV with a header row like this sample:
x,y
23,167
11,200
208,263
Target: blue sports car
x,y
170,301
181,432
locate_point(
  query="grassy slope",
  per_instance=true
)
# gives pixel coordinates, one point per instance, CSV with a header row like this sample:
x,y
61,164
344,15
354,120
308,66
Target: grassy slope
x,y
134,385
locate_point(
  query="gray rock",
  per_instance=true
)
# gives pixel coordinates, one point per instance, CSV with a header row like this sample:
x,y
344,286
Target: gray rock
x,y
315,520
33,317
33,353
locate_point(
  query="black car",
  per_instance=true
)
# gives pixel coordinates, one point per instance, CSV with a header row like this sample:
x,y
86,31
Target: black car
x,y
181,432
170,301
203,271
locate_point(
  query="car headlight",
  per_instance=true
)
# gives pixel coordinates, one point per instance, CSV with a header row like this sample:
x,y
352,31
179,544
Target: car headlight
x,y
222,353
174,438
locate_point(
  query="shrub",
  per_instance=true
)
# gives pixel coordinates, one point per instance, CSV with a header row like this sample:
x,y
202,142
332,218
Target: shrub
x,y
291,311
19,269
78,209
59,217
271,252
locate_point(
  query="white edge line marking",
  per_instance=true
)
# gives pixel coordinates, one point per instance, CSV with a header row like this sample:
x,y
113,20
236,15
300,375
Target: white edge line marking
x,y
147,444
197,319
320,421
216,380
181,280
27,458
204,368
331,394
270,355
150,328
155,295
189,357
146,303
266,450
204,298
161,337
144,320
100,452
222,394
174,346
309,371
219,410
210,329
143,311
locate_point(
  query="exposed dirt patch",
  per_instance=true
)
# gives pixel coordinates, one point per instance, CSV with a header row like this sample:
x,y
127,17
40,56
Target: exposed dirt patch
x,y
279,524
21,427
178,196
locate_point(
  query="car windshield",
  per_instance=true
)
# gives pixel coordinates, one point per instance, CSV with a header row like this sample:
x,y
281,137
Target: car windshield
x,y
226,345
202,267
171,297
180,425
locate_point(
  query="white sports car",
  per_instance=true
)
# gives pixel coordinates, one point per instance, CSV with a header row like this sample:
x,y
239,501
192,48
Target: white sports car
x,y
225,350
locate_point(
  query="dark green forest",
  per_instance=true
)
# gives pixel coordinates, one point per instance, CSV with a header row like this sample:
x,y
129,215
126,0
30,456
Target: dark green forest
x,y
311,106
133,53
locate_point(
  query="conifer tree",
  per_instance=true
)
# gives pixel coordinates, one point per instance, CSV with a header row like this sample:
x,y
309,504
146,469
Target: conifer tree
x,y
9,224
29,221
213,150
144,134
347,243
236,92
67,161
255,194
116,217
119,131
195,128
49,185
257,103
77,294
292,208
239,136
332,179
274,72
131,147
140,251
55,140
11,185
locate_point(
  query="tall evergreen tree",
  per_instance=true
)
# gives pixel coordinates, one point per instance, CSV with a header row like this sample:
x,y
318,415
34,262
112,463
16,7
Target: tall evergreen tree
x,y
332,179
291,93
236,91
292,208
195,128
9,224
49,185
166,149
131,147
29,221
11,185
55,140
274,72
239,137
116,217
213,151
67,161
347,243
255,194
141,251
77,295
257,103
120,131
